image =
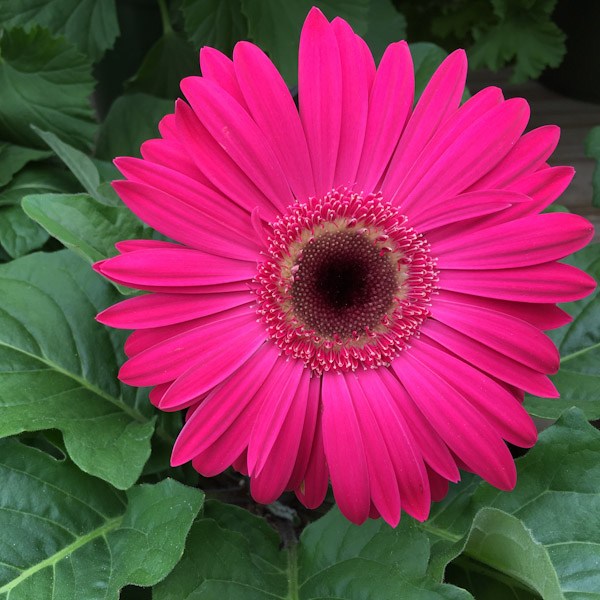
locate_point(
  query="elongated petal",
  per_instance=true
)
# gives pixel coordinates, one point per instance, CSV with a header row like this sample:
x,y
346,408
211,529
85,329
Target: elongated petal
x,y
272,107
550,282
438,101
240,137
219,68
384,491
174,268
223,405
155,310
489,360
527,241
494,402
169,359
469,435
344,449
320,81
390,102
356,87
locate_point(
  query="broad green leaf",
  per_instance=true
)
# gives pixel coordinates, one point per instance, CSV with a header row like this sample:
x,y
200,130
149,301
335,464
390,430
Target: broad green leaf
x,y
592,150
77,162
275,26
58,366
89,24
385,25
19,235
544,535
69,536
44,81
170,60
83,224
37,179
333,559
524,34
13,158
216,23
132,120
578,379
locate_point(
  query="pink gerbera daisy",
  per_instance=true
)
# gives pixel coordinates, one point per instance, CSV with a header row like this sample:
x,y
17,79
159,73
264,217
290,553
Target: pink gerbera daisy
x,y
358,287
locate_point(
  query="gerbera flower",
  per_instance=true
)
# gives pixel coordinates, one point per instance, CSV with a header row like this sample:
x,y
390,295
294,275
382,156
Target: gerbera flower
x,y
357,287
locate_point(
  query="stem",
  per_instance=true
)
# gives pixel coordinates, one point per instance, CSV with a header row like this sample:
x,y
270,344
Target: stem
x,y
164,17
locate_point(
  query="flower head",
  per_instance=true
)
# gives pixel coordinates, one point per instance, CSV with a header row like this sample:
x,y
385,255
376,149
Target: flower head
x,y
357,288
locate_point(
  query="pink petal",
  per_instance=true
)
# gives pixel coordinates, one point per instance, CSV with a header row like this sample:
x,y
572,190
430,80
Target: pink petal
x,y
438,101
275,461
167,360
166,127
313,406
273,413
172,154
224,405
437,484
190,192
528,155
542,316
434,450
273,109
217,165
462,207
404,452
383,484
498,406
240,137
390,103
219,68
468,157
490,361
155,310
344,449
312,490
319,97
469,435
527,241
133,245
547,283
171,267
194,225
356,86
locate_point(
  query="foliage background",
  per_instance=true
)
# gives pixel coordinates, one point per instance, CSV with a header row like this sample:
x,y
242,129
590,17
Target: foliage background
x,y
89,507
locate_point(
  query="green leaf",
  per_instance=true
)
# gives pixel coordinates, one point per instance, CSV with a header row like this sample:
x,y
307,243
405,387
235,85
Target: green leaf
x,y
216,23
170,60
385,25
19,235
275,26
578,379
69,536
77,162
132,120
37,179
89,24
524,34
83,224
334,559
592,150
47,82
13,158
544,535
58,366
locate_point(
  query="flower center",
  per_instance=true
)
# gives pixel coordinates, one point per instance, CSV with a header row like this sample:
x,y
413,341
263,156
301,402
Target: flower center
x,y
346,284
